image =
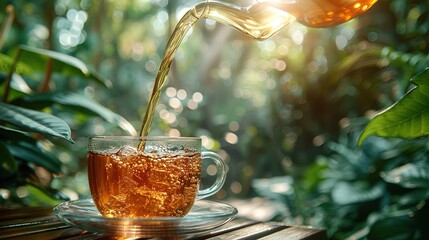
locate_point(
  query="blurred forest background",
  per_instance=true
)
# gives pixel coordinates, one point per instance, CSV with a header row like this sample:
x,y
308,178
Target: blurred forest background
x,y
285,113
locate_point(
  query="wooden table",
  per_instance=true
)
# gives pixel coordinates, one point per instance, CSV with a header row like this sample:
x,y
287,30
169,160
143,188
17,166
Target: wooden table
x,y
41,223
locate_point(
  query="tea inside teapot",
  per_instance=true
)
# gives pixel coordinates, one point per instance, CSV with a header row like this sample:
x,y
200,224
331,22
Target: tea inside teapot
x,y
321,13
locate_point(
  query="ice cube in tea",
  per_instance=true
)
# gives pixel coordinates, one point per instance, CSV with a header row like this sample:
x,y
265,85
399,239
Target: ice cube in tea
x,y
143,184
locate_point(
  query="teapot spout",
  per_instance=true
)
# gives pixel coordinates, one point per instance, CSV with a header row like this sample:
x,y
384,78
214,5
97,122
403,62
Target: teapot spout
x,y
258,21
265,18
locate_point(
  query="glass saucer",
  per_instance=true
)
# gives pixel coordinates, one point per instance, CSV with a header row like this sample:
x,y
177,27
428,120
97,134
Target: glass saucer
x,y
204,215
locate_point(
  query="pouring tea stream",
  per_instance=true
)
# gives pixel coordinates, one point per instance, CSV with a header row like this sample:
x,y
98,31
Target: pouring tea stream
x,y
259,21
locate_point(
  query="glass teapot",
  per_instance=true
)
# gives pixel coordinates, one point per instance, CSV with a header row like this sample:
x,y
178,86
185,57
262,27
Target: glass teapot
x,y
265,18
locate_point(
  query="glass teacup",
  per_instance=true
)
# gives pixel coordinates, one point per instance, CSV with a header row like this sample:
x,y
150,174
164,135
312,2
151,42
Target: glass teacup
x,y
132,177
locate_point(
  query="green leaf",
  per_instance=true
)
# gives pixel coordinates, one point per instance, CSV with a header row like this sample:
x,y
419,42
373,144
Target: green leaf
x,y
64,64
274,188
408,118
8,164
348,193
34,154
6,64
18,83
11,134
78,101
414,197
408,176
314,175
34,121
18,86
38,196
397,226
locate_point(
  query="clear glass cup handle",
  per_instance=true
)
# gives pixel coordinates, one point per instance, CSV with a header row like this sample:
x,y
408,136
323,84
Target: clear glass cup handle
x,y
220,175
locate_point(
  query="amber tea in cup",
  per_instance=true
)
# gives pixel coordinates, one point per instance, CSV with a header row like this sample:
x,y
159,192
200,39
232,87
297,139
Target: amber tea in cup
x,y
132,177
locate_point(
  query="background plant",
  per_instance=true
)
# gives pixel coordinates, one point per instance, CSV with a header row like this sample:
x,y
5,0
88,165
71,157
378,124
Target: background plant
x,y
377,191
35,121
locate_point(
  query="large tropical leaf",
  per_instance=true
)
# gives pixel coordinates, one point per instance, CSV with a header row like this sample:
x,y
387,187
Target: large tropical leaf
x,y
34,154
408,118
79,102
34,121
64,64
409,176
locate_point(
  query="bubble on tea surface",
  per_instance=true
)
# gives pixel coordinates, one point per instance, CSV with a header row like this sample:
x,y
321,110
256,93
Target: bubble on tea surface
x,y
127,151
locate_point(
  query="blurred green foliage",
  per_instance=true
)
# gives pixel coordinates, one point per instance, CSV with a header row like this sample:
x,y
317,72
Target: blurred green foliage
x,y
285,113
380,190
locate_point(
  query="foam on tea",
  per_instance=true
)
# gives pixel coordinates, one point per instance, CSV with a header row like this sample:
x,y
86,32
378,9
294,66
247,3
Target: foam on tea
x,y
129,183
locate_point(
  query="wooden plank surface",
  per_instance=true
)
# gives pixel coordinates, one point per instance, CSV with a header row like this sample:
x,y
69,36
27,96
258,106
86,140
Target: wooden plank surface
x,y
251,232
296,233
41,223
